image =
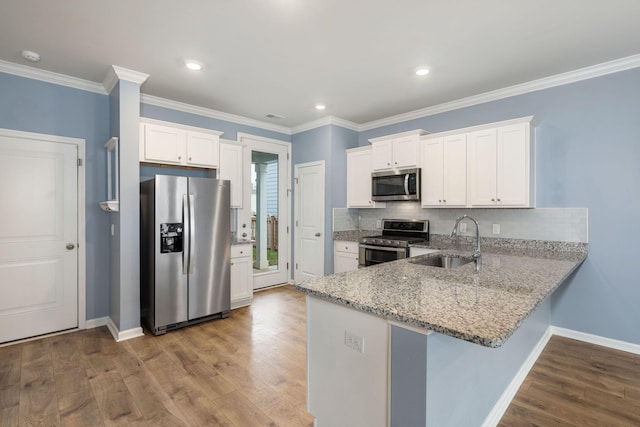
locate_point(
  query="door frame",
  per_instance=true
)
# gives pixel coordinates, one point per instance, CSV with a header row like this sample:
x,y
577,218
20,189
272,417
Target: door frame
x,y
81,172
259,143
296,246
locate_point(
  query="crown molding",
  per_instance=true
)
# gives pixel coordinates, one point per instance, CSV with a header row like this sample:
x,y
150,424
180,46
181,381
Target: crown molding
x,y
214,114
580,74
116,73
50,77
325,121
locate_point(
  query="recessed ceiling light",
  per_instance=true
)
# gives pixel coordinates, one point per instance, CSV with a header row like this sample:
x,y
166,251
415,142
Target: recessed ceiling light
x,y
30,56
422,71
193,65
320,107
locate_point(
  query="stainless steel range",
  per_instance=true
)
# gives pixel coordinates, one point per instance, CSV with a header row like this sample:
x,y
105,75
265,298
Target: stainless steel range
x,y
393,243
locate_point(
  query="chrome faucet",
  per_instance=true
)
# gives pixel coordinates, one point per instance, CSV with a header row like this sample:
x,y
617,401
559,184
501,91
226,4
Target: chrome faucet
x,y
477,256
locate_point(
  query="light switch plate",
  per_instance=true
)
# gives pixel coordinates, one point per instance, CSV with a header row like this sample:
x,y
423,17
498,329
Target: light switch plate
x,y
496,228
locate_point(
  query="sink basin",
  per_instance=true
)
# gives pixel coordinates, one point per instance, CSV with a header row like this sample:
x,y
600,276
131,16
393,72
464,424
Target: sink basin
x,y
442,261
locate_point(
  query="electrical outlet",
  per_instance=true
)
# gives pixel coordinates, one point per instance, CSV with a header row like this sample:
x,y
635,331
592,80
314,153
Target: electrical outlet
x,y
378,223
496,228
354,341
113,230
462,227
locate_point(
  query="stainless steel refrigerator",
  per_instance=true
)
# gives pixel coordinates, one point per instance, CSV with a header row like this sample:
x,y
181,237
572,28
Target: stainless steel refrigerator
x,y
185,243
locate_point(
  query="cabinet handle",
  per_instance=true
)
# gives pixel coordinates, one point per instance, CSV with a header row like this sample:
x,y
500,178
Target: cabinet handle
x,y
498,199
388,163
444,201
231,263
439,201
493,200
241,252
179,157
189,158
395,163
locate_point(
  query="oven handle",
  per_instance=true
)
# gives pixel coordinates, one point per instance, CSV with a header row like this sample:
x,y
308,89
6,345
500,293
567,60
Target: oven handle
x,y
406,184
382,248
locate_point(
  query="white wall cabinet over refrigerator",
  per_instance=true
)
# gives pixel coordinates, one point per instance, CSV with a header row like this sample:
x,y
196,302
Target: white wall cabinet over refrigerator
x,y
444,174
178,146
345,256
399,151
232,170
241,275
359,179
502,167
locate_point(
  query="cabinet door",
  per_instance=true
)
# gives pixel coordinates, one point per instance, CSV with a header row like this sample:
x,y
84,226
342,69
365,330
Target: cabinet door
x,y
482,156
343,262
405,152
454,169
163,144
359,179
513,165
432,172
241,279
382,155
231,169
202,149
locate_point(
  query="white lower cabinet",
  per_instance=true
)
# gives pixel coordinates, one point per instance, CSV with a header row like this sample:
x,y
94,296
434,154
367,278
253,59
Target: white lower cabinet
x,y
345,256
241,275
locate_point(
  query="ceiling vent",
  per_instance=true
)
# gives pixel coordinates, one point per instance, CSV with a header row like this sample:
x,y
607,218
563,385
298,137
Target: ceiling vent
x,y
273,116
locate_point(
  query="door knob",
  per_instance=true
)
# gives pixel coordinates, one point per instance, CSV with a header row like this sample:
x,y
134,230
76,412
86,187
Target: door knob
x,y
70,246
317,234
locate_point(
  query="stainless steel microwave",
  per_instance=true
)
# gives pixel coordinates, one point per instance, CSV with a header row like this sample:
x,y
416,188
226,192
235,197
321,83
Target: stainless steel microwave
x,y
395,185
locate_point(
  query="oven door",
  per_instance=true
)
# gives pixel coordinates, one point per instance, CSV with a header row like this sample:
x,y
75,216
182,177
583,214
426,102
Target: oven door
x,y
372,254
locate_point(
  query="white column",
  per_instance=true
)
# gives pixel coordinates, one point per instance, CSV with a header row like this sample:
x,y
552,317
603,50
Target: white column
x,y
261,217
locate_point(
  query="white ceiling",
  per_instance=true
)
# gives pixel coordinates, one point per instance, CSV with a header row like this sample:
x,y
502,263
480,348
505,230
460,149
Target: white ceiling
x,y
355,56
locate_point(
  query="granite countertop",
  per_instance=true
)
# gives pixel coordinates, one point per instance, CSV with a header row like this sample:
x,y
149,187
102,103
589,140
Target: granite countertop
x,y
484,308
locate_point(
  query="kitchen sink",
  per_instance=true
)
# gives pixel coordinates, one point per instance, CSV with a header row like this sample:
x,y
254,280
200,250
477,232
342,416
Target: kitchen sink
x,y
442,261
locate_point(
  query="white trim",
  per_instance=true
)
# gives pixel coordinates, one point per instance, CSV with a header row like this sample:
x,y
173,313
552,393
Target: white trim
x,y
596,339
418,132
116,73
324,121
416,329
509,393
123,335
580,74
528,119
181,126
97,322
50,77
82,239
214,114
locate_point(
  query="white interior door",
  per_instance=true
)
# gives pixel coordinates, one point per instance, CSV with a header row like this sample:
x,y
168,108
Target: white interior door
x,y
309,221
38,237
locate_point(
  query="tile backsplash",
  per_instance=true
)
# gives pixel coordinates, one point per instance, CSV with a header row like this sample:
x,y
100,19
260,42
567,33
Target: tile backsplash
x,y
555,224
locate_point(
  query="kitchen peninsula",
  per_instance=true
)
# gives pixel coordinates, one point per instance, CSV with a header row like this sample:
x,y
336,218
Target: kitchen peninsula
x,y
373,358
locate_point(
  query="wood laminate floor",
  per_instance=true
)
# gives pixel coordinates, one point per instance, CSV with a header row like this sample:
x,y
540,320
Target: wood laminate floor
x,y
249,370
574,383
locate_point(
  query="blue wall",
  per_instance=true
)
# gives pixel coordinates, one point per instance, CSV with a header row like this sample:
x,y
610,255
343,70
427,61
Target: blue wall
x,y
588,155
34,106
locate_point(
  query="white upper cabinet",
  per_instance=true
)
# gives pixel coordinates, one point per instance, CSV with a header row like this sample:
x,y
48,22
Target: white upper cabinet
x,y
178,146
444,174
501,166
399,151
359,179
162,144
231,169
202,149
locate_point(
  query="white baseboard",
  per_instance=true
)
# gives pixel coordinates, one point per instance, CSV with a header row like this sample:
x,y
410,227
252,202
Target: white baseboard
x,y
242,302
123,335
507,396
596,339
96,323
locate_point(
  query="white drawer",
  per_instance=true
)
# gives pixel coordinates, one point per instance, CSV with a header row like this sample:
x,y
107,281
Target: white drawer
x,y
344,246
238,251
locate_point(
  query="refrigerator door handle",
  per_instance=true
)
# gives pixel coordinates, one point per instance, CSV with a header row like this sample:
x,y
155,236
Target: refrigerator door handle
x,y
188,218
192,233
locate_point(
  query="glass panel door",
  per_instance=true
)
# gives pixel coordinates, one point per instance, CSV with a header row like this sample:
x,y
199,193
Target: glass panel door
x,y
264,211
